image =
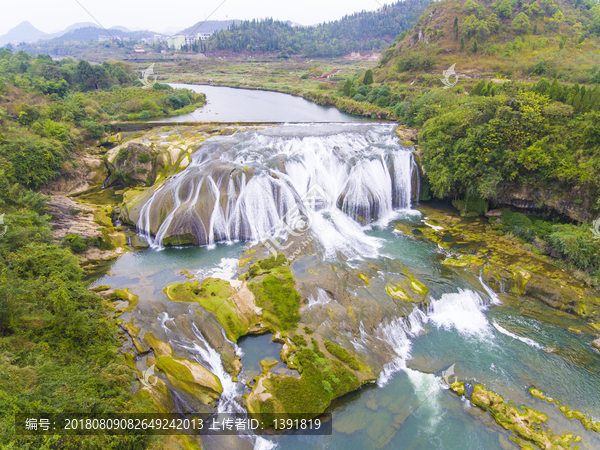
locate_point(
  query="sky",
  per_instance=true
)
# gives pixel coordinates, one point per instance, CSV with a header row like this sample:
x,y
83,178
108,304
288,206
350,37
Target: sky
x,y
159,15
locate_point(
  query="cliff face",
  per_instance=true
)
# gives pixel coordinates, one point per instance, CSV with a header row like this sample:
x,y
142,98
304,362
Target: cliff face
x,y
573,202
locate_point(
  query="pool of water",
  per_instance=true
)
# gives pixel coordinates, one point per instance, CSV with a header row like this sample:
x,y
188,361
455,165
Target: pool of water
x,y
256,349
148,272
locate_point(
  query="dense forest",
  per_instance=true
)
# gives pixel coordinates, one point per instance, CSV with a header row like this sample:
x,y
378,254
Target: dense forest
x,y
359,32
58,347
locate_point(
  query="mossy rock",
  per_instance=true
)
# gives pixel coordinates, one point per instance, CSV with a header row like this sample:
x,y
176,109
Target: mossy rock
x,y
131,299
213,295
267,366
364,278
321,381
100,288
344,355
191,378
274,289
524,422
537,393
396,291
182,239
160,348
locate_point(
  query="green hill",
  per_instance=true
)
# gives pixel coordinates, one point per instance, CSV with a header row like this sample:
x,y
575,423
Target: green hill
x,y
363,31
516,39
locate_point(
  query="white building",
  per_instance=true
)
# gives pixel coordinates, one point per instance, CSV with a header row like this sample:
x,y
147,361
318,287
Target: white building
x,y
203,36
176,42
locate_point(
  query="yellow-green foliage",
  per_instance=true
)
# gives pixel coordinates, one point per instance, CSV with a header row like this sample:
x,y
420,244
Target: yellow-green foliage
x,y
273,286
343,355
213,295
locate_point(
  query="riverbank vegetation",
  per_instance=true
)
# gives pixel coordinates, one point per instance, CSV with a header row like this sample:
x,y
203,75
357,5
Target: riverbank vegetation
x,y
58,347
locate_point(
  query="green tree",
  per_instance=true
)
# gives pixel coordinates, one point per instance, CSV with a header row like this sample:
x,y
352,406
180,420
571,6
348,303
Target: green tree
x,y
462,43
521,23
368,79
474,48
347,88
504,9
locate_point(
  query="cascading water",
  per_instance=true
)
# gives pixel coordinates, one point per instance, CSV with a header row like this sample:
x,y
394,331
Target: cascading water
x,y
201,351
462,311
257,184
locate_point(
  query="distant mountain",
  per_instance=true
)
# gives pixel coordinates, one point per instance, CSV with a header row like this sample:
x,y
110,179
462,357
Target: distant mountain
x,y
123,29
210,26
89,34
75,26
26,32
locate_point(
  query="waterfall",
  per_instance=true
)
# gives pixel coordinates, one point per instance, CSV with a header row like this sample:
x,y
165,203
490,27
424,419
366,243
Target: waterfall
x,y
322,298
228,401
261,183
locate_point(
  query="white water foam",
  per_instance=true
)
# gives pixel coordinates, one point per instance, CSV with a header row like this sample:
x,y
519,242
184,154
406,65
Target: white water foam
x,y
462,311
264,444
427,388
396,334
225,270
493,296
242,187
435,227
322,298
230,400
525,340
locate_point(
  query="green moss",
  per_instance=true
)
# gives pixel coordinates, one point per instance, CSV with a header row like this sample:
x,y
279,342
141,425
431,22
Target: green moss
x,y
207,388
415,284
274,289
183,239
322,380
363,277
396,291
524,422
454,262
343,355
213,295
537,393
131,299
520,277
299,340
458,387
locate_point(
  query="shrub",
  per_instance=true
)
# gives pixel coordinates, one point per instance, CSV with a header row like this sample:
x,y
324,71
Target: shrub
x,y
76,243
576,243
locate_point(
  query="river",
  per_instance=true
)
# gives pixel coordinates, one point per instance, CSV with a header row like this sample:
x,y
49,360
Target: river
x,y
505,342
226,104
